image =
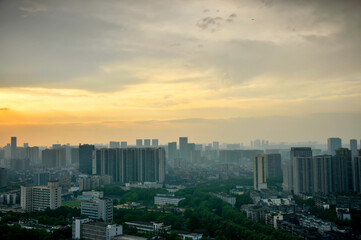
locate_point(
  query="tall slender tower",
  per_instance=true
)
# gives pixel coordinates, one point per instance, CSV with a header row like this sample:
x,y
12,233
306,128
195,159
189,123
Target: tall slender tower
x,y
86,158
183,147
296,152
259,172
333,144
353,147
13,148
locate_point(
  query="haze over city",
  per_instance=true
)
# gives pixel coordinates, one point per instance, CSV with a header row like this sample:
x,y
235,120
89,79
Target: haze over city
x,y
180,119
233,71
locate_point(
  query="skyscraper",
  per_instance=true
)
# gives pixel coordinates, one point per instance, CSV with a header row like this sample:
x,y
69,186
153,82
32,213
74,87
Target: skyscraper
x,y
3,177
300,152
215,146
127,165
74,153
86,158
342,171
333,144
124,144
302,175
356,174
259,172
322,174
41,179
146,142
13,148
296,152
172,151
353,147
32,153
53,158
274,169
155,142
139,142
113,144
183,147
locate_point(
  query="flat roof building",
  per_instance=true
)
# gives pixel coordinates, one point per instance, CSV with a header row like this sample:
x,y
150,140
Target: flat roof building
x,y
98,208
38,198
90,230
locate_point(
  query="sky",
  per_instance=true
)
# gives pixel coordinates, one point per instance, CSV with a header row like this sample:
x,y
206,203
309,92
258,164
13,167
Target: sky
x,y
86,71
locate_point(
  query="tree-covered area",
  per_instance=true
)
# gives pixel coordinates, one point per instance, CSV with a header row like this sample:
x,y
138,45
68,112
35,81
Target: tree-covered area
x,y
206,214
16,232
224,185
214,218
199,212
61,216
143,195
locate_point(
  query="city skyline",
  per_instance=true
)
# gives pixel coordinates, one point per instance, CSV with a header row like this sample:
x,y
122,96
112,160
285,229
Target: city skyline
x,y
352,144
78,72
182,119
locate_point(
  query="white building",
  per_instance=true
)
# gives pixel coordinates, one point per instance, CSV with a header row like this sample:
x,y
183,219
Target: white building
x,y
87,229
148,226
93,194
98,208
38,198
164,199
191,236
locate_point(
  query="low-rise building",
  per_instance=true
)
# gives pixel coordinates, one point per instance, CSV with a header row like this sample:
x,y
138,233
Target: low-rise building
x,y
9,198
148,226
273,218
254,212
93,194
343,214
129,237
90,230
190,236
169,198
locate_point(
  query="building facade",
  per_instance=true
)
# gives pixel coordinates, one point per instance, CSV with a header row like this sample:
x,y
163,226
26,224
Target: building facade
x,y
98,208
259,172
86,158
274,169
90,230
130,165
356,172
3,177
54,158
333,144
38,198
41,179
167,199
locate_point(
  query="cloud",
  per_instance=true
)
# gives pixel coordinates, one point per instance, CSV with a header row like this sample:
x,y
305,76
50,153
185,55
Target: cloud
x,y
30,8
210,23
4,109
69,48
